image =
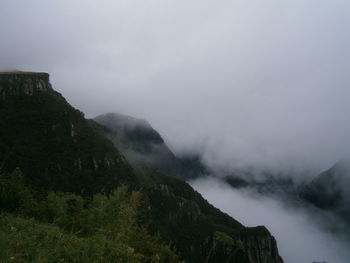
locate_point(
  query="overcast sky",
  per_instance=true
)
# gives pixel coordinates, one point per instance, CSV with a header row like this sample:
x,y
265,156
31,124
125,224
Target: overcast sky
x,y
246,82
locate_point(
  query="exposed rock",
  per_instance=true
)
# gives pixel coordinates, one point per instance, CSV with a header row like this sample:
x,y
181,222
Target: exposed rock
x,y
260,245
23,83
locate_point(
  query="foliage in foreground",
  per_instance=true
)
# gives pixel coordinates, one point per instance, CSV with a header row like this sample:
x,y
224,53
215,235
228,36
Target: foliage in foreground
x,y
62,227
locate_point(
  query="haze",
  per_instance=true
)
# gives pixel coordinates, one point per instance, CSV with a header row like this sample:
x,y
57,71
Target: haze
x,y
261,83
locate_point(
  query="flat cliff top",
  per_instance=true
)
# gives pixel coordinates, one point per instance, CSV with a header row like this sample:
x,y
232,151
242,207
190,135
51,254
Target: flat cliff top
x,y
22,73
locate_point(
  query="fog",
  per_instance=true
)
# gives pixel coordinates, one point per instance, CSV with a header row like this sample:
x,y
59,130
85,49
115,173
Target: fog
x,y
246,83
298,232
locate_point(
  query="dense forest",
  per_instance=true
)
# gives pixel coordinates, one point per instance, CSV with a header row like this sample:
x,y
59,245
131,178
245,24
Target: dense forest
x,y
39,226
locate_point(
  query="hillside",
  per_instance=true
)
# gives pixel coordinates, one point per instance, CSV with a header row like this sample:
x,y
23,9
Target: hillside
x,y
61,153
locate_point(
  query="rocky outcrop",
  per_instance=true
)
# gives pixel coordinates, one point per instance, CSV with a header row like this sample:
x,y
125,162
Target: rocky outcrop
x,y
23,83
260,245
251,244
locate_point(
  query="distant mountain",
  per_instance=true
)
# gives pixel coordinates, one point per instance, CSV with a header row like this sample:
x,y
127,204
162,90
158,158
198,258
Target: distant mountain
x,y
140,143
270,185
58,150
330,190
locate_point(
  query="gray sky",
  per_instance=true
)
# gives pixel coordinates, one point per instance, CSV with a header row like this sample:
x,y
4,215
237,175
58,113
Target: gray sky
x,y
247,82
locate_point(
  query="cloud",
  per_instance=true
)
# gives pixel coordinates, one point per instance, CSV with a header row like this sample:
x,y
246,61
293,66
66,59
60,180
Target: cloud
x,y
297,231
261,83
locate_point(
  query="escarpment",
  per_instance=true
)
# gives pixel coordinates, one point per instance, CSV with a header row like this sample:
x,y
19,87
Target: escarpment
x,y
23,83
59,150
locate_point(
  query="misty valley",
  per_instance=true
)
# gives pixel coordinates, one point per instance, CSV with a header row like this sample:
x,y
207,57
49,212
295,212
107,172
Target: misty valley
x,y
110,189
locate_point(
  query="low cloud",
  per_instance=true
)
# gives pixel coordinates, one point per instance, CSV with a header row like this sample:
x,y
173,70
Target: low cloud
x,y
299,232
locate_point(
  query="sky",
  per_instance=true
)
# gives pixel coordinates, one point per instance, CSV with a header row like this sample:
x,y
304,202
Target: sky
x,y
245,82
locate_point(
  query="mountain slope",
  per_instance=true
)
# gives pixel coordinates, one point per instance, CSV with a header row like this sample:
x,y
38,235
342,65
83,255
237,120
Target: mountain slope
x,y
51,141
59,150
139,142
147,151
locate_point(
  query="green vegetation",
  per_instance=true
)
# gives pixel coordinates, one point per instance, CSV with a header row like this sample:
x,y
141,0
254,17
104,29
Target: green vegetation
x,y
64,227
223,238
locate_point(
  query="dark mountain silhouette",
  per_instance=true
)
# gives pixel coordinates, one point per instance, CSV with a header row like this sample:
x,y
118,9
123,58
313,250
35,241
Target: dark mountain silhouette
x,y
57,149
330,190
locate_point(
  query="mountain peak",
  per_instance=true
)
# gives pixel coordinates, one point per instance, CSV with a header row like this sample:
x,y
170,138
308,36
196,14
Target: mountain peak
x,y
140,143
22,83
342,166
124,121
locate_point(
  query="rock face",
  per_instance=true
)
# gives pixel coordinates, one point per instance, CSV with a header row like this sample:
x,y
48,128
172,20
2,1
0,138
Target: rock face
x,y
255,245
260,247
23,83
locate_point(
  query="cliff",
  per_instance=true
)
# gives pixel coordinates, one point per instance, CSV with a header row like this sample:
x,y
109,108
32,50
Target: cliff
x,y
23,83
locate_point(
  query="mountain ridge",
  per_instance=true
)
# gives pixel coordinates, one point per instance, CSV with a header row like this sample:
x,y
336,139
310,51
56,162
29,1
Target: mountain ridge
x,y
59,150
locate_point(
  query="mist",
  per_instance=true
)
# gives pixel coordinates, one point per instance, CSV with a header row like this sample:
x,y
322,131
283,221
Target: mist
x,y
245,83
299,234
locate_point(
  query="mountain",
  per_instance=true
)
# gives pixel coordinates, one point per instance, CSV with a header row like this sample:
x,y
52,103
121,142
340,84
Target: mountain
x,y
140,143
60,152
52,142
330,190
